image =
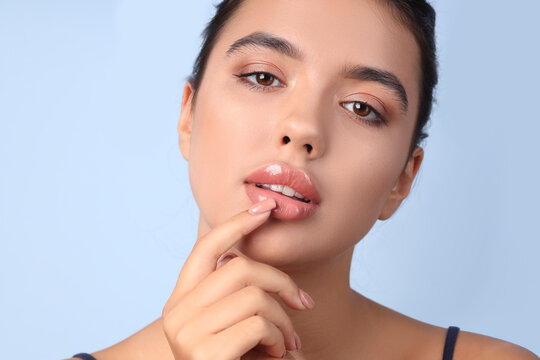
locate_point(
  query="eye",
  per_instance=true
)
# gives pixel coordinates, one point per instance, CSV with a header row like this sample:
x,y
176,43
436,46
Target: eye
x,y
365,112
260,80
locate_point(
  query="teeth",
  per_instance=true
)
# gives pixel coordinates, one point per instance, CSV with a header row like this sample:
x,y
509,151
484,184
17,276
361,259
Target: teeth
x,y
298,195
276,188
288,191
284,189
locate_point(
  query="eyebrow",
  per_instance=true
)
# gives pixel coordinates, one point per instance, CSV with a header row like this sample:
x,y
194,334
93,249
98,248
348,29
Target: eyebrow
x,y
363,73
383,77
263,39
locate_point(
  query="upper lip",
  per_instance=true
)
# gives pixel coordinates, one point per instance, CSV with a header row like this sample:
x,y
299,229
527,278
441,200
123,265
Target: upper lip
x,y
282,174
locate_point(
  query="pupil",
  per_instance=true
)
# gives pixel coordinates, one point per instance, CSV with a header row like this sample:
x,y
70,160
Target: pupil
x,y
361,109
264,79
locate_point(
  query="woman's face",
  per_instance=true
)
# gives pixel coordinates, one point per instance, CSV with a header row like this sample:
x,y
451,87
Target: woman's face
x,y
238,123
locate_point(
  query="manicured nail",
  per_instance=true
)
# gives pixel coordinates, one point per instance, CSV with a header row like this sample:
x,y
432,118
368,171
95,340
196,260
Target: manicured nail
x,y
224,258
297,341
262,206
306,299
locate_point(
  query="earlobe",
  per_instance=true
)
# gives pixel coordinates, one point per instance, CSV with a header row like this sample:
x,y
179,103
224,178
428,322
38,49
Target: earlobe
x,y
403,185
185,121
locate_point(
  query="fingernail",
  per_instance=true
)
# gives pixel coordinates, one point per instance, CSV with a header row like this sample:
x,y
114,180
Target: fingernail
x,y
306,299
284,354
262,206
297,341
224,258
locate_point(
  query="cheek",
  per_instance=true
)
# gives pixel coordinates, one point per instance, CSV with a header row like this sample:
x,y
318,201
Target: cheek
x,y
223,132
232,135
359,179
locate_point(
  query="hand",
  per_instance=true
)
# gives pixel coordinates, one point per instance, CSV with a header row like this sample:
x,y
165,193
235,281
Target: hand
x,y
221,311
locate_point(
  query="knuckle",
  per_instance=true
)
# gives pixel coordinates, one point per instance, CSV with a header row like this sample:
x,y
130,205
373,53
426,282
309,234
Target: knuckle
x,y
182,347
289,326
167,325
259,325
183,341
289,280
283,276
201,353
239,263
179,336
165,311
256,294
290,284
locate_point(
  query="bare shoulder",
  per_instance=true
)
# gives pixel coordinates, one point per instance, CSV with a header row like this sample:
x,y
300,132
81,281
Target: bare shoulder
x,y
414,339
471,345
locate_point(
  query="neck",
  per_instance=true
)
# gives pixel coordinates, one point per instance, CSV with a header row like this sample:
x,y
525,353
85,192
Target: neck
x,y
328,331
329,328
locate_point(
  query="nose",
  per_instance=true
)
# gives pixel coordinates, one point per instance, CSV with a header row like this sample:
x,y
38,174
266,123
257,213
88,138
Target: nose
x,y
301,134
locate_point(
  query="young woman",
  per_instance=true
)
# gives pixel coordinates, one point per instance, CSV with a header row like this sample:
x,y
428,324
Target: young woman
x,y
302,125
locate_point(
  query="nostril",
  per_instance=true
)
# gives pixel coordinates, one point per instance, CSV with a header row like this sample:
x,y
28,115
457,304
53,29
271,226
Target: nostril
x,y
287,140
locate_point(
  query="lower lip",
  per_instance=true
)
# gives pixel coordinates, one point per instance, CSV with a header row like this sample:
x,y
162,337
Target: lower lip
x,y
286,209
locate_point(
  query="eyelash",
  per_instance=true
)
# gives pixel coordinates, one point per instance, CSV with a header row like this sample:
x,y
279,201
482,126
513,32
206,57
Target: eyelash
x,y
252,85
379,122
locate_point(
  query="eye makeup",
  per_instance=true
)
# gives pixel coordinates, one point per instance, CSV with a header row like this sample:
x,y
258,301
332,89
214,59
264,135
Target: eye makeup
x,y
359,110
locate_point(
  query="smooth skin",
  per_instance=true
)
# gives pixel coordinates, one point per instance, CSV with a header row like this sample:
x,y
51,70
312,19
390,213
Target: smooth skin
x,y
221,311
361,171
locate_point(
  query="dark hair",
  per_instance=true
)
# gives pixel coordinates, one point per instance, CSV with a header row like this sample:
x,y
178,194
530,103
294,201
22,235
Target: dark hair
x,y
417,15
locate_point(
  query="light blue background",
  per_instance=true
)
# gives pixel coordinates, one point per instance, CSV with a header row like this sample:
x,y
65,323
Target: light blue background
x,y
96,213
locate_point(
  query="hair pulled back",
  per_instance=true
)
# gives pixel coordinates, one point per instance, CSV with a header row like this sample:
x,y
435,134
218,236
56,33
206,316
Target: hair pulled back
x,y
417,15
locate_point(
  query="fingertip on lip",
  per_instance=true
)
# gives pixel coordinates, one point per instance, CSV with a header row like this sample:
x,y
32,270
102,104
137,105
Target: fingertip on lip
x,y
270,202
263,206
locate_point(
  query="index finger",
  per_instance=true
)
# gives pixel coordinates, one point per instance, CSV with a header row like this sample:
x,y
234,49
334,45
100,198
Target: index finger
x,y
207,250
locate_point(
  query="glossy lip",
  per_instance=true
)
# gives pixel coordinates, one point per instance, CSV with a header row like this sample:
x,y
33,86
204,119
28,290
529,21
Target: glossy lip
x,y
286,208
281,174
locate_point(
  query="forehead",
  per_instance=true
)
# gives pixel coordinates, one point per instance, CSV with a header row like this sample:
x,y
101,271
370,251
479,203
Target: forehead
x,y
332,34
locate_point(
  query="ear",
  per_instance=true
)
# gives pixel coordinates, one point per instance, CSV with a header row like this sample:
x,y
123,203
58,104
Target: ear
x,y
403,184
185,122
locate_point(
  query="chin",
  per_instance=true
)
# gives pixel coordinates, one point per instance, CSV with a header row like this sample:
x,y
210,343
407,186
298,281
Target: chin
x,y
267,247
275,245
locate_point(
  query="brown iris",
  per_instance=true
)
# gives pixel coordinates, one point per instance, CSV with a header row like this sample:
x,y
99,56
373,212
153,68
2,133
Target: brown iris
x,y
361,109
265,79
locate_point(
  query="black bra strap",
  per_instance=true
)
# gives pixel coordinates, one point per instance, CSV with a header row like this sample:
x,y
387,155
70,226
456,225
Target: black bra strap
x,y
451,337
448,353
84,356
